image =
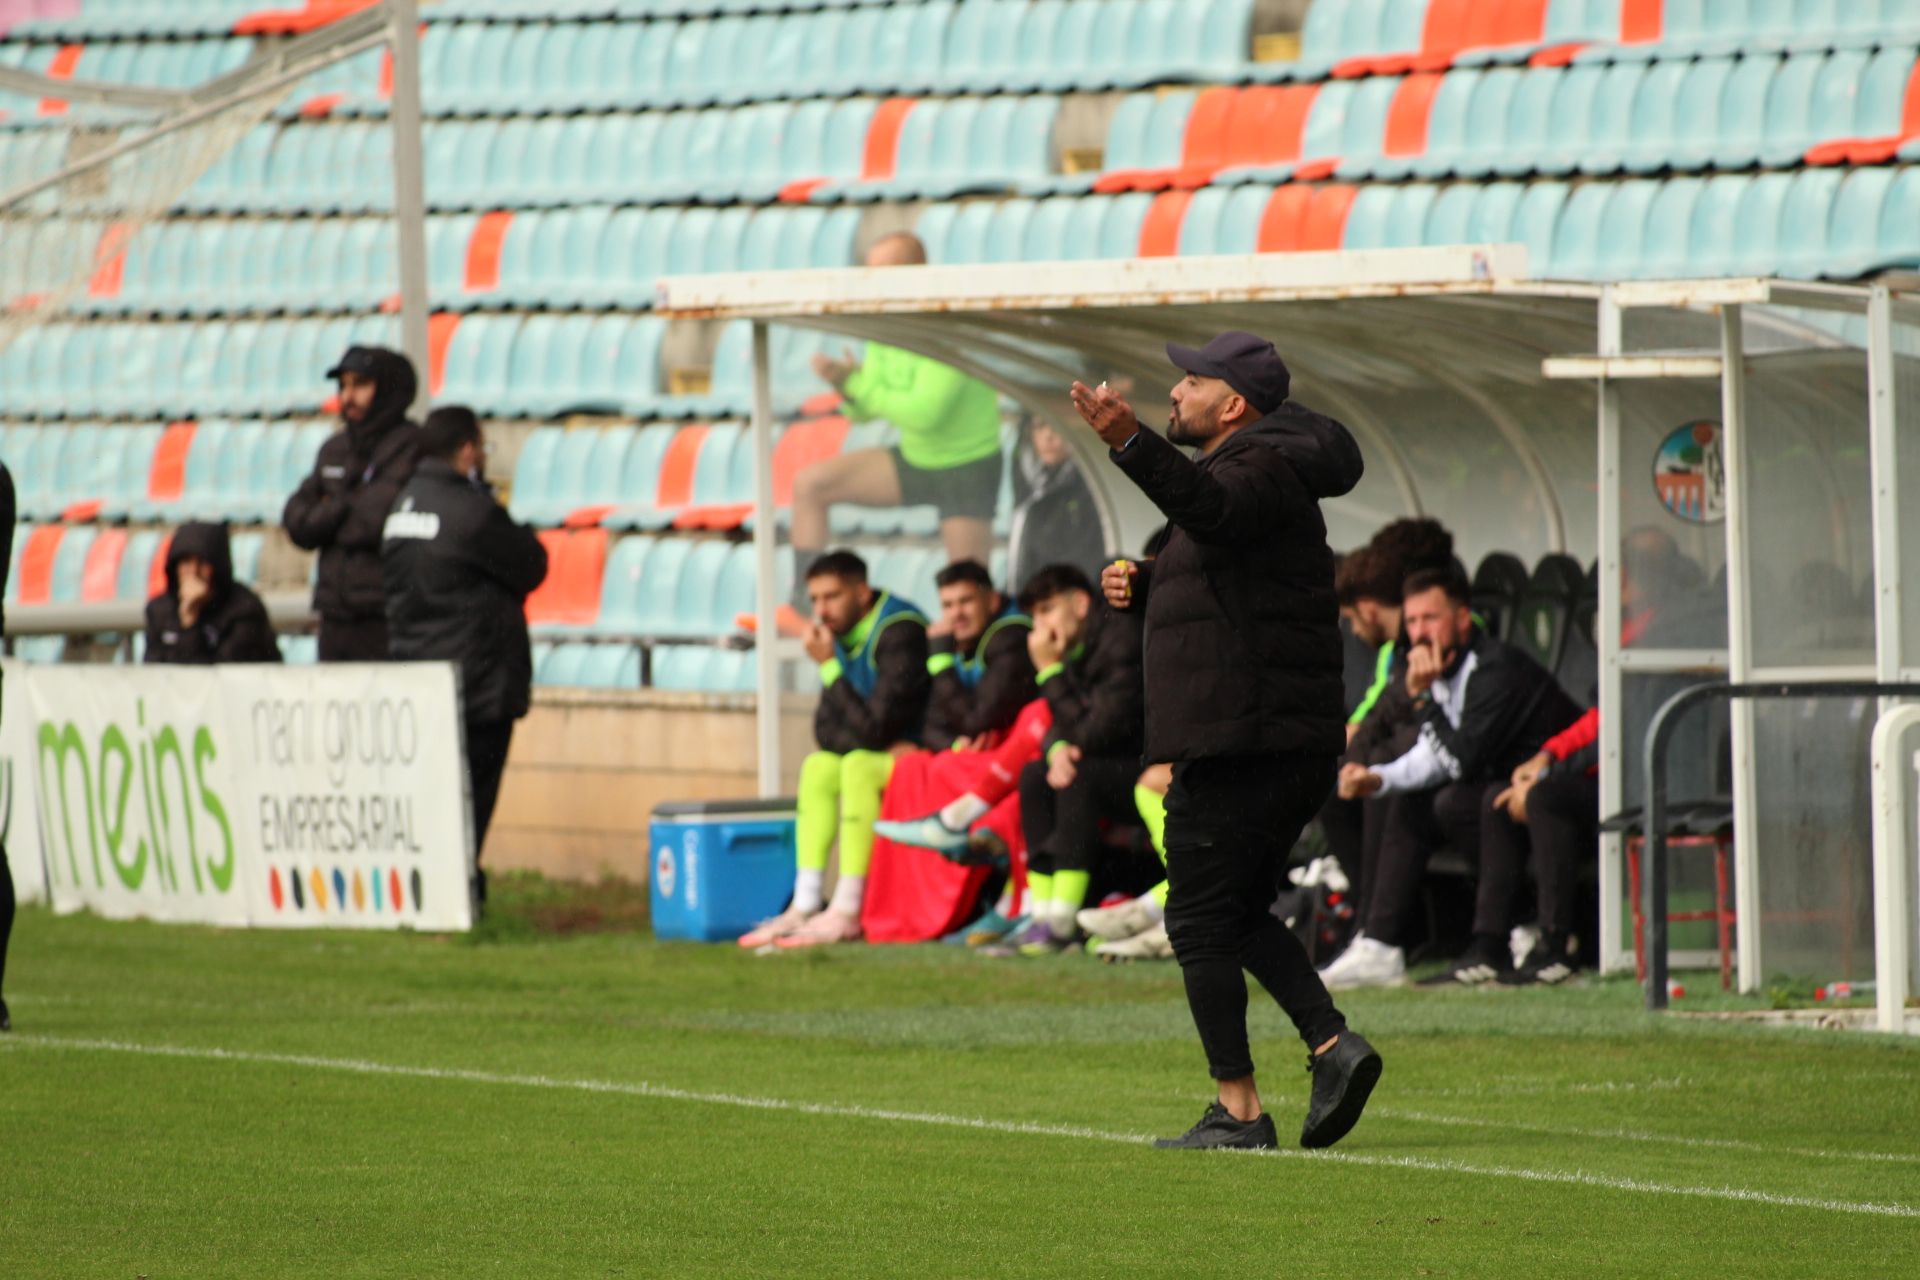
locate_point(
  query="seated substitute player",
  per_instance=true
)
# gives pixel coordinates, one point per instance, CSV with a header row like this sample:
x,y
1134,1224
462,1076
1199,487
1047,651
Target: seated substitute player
x,y
872,651
1088,660
977,659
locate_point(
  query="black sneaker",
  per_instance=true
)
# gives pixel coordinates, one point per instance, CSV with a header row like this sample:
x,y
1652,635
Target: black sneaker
x,y
1548,965
6,1023
1483,963
1218,1128
1343,1077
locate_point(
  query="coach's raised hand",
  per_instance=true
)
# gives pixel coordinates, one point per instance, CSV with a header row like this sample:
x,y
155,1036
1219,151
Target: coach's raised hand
x,y
1106,412
1116,583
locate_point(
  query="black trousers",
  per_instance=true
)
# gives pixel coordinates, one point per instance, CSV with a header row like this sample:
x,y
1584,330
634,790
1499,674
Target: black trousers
x,y
6,914
1562,832
1063,827
352,639
1231,823
1412,825
487,743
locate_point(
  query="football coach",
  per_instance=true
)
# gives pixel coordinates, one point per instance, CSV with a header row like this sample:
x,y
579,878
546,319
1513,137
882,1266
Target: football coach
x,y
1243,690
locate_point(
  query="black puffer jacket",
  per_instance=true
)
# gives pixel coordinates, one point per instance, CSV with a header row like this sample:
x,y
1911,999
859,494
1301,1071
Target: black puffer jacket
x,y
1242,649
1097,699
958,710
339,509
233,624
458,573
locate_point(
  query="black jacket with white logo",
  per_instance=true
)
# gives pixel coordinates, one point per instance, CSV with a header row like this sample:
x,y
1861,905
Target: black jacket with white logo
x,y
233,624
458,572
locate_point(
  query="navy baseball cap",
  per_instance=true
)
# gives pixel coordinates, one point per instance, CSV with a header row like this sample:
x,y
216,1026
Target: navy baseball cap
x,y
1244,361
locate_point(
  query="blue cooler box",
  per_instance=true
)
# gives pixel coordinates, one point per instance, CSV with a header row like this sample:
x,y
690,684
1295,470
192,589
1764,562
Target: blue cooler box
x,y
720,866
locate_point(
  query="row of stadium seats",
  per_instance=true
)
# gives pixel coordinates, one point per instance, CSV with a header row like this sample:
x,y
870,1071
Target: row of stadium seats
x,y
940,45
168,65
79,564
592,256
1766,109
1368,37
213,470
643,585
501,365
1813,221
680,668
694,477
95,19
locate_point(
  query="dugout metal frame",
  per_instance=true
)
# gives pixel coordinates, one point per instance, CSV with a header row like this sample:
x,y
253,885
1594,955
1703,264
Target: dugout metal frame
x,y
1454,353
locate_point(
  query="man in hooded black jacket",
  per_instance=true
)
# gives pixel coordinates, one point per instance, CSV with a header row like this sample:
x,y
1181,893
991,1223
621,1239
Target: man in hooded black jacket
x,y
458,573
340,509
1242,658
204,616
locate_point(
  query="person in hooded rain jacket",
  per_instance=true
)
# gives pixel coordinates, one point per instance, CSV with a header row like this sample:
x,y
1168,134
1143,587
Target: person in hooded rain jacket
x,y
204,616
341,508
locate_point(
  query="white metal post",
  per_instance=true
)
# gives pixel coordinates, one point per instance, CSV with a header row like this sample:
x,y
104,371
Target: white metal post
x,y
409,191
1894,767
1613,775
1746,855
1890,654
765,570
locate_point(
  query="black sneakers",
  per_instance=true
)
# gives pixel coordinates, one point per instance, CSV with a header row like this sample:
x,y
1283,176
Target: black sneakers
x,y
1549,964
6,1023
1343,1076
1218,1128
1486,961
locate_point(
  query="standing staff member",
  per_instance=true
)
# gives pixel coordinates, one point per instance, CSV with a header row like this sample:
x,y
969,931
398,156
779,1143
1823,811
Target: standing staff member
x,y
1243,684
458,572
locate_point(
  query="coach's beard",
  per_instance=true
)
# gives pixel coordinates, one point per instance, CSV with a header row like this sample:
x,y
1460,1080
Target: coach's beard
x,y
1178,432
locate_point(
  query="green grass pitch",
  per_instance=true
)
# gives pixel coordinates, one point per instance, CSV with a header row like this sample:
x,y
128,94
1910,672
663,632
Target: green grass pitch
x,y
190,1102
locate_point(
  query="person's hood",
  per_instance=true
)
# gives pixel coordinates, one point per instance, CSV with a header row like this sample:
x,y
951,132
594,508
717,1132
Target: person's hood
x,y
1323,453
207,542
394,386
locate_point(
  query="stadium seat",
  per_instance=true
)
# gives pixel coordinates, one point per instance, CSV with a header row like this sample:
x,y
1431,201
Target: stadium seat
x,y
1543,613
576,568
1498,585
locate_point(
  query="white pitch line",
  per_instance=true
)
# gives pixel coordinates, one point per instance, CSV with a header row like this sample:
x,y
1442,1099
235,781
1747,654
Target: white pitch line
x,y
1641,1135
640,1089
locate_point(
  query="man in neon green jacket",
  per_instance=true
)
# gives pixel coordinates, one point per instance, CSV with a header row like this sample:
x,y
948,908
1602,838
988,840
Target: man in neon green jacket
x,y
948,456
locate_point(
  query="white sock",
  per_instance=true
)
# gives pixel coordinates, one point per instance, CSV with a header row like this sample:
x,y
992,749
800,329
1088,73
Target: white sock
x,y
1060,919
1151,905
964,812
1005,906
848,894
806,889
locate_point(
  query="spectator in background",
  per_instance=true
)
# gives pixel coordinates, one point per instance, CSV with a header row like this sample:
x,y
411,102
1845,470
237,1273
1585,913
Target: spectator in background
x,y
1483,707
1054,517
204,616
872,651
340,509
948,456
977,661
457,572
1550,808
9,511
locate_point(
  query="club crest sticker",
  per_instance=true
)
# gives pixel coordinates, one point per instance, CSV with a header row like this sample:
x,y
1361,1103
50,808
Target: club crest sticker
x,y
1690,473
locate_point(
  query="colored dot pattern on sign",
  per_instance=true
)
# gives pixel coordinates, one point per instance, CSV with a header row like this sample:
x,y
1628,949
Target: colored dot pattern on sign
x,y
381,889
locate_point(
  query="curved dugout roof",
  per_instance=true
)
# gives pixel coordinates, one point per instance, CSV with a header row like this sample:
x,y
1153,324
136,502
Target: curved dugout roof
x,y
1432,357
